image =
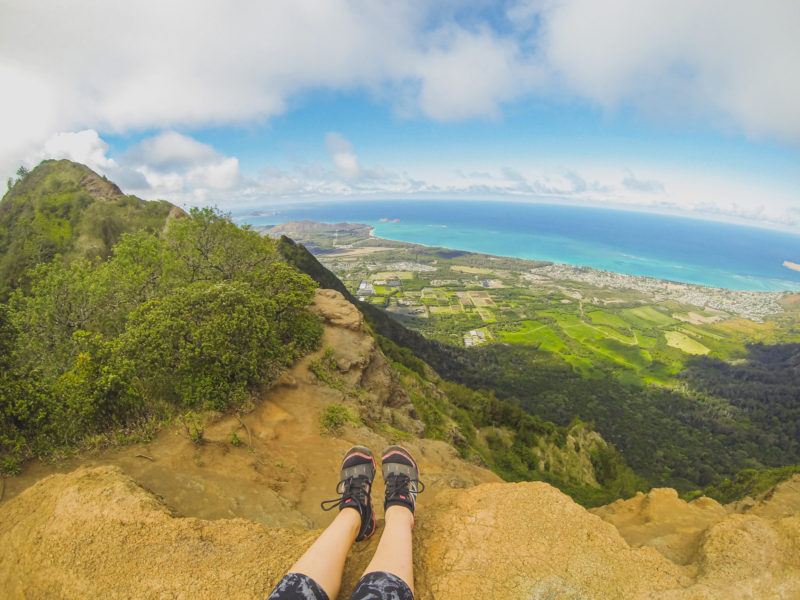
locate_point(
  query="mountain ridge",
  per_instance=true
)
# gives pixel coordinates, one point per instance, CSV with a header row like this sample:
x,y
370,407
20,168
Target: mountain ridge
x,y
220,503
221,518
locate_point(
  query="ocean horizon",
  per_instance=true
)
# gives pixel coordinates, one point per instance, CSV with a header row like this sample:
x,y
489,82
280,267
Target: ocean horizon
x,y
683,249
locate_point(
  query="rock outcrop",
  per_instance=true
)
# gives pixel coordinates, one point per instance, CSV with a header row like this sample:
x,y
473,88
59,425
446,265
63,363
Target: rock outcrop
x,y
748,549
94,533
365,371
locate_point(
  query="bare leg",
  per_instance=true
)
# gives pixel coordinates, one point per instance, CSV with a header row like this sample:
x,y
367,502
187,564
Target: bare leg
x,y
324,560
394,550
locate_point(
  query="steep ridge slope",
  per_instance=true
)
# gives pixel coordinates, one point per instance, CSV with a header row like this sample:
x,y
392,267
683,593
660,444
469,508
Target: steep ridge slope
x,y
281,465
223,519
65,208
517,445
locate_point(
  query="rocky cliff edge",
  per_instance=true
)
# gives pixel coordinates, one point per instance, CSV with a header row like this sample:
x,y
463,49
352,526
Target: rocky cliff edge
x,y
173,519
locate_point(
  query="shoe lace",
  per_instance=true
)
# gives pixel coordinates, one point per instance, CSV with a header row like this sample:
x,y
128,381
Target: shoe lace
x,y
356,488
399,484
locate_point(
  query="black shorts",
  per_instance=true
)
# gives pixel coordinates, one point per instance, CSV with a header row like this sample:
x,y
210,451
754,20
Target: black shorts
x,y
377,585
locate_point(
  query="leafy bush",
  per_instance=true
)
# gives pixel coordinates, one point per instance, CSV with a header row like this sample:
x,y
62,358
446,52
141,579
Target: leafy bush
x,y
199,318
334,418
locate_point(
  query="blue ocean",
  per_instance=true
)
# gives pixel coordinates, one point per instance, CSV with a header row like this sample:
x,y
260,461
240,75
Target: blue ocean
x,y
637,243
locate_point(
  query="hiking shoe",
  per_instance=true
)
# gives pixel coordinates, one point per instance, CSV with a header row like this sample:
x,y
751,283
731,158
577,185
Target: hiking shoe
x,y
355,486
401,474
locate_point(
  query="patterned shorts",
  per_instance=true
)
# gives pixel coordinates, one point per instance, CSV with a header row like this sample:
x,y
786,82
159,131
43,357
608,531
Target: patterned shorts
x,y
372,586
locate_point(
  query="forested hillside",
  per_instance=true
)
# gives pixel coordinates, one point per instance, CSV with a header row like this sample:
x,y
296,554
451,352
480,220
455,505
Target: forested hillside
x,y
685,437
64,208
193,318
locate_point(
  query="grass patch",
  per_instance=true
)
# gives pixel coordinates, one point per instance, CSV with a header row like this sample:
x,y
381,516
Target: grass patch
x,y
536,334
394,435
683,342
600,317
441,310
486,315
474,270
749,482
326,370
333,419
650,315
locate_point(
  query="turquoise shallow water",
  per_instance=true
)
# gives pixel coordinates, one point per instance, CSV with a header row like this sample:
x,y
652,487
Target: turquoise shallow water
x,y
636,243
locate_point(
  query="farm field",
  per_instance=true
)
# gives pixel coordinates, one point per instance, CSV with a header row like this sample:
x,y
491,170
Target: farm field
x,y
644,331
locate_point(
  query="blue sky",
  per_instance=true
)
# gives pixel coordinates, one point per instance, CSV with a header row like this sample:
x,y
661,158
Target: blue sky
x,y
680,106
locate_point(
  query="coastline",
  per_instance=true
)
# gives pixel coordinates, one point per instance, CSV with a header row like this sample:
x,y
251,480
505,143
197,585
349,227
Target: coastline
x,y
548,233
753,305
790,286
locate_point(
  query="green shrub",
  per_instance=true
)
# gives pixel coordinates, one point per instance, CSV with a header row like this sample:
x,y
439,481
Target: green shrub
x,y
334,418
199,319
326,370
10,466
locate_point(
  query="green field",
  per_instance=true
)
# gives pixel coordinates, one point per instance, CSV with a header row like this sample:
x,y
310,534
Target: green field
x,y
391,275
534,333
649,315
683,342
601,317
623,331
385,290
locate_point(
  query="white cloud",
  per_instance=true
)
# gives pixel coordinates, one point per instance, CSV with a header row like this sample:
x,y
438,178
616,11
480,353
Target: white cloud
x,y
169,165
123,67
735,62
72,69
218,175
468,74
342,155
169,150
634,184
80,146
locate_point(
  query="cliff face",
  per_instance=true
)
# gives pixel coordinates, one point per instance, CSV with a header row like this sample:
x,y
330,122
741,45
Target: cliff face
x,y
95,533
227,517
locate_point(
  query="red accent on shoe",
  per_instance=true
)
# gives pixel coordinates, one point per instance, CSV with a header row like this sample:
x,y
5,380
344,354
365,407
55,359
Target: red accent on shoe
x,y
406,455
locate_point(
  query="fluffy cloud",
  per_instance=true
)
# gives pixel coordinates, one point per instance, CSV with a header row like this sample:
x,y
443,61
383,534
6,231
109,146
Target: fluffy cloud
x,y
107,66
342,155
116,66
735,62
169,165
131,66
170,150
182,169
81,146
634,184
469,74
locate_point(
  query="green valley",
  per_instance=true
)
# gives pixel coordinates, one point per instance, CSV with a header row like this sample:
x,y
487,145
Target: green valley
x,y
614,350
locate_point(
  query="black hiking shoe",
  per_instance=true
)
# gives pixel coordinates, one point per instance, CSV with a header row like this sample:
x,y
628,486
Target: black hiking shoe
x,y
401,474
355,486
